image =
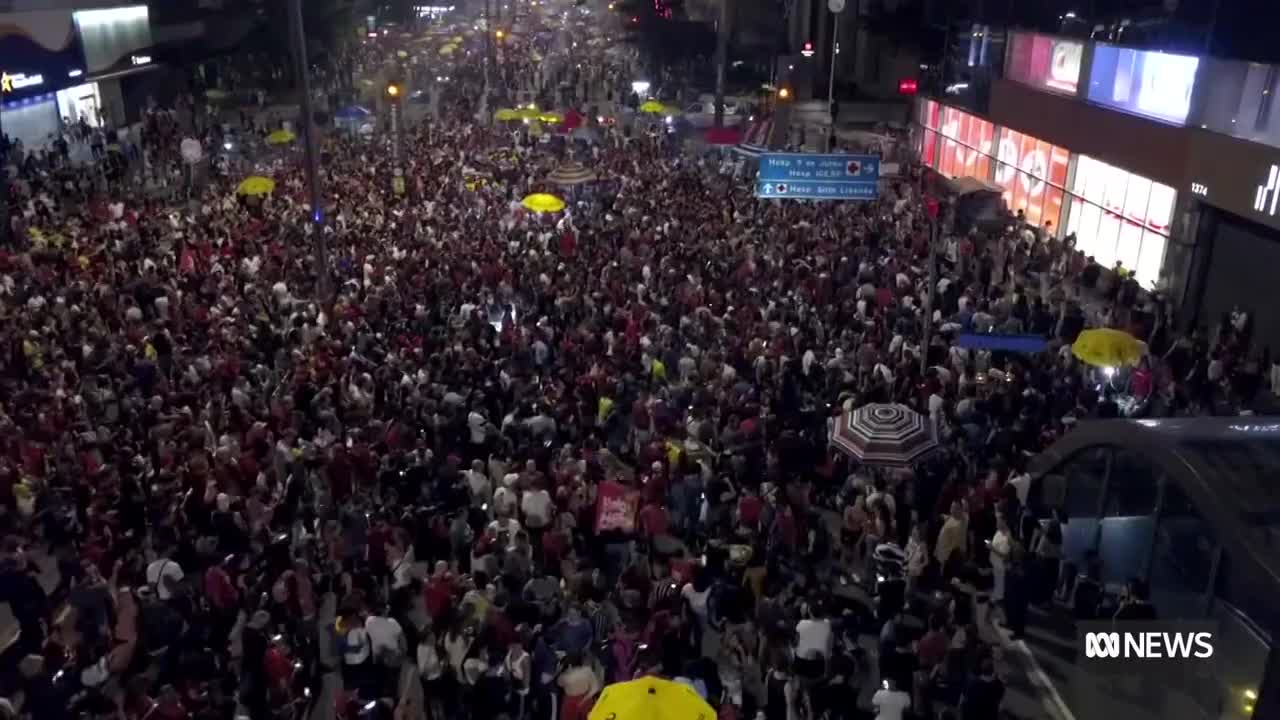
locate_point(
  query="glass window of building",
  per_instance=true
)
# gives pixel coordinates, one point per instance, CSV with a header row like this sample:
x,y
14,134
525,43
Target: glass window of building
x,y
1076,488
965,146
1182,560
1084,474
1238,98
1033,174
1118,216
1128,524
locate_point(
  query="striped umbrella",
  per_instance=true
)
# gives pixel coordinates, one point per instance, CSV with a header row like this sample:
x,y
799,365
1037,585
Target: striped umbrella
x,y
886,435
571,174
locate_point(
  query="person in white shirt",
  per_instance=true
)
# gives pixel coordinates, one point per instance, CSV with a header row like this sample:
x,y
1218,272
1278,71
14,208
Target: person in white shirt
x,y
890,702
478,484
519,667
505,499
537,507
1021,485
814,639
478,427
1000,545
163,576
386,639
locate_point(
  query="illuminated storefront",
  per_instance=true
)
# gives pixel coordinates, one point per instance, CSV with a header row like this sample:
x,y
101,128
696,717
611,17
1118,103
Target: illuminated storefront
x,y
929,118
954,142
62,66
1033,174
966,144
1115,215
1119,216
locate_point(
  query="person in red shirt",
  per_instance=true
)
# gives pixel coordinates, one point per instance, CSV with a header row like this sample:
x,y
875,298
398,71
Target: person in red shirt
x,y
655,484
278,667
438,591
654,520
750,507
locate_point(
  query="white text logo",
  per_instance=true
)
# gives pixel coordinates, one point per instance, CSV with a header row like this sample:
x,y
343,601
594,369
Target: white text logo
x,y
1148,645
1267,196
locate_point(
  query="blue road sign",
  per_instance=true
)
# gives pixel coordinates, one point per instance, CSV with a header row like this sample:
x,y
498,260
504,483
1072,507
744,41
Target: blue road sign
x,y
812,176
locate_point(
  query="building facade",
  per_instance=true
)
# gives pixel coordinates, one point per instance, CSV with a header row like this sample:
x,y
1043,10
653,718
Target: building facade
x,y
58,67
1160,161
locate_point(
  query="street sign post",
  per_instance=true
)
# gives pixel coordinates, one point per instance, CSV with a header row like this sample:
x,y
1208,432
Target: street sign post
x,y
813,176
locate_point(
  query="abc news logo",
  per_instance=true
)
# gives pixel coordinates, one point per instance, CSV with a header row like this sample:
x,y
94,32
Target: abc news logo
x,y
1148,641
1148,645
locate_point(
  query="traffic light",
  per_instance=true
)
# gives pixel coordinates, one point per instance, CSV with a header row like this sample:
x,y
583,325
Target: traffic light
x,y
807,50
393,90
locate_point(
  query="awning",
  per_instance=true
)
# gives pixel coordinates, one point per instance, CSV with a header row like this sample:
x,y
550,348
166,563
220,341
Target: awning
x,y
116,74
752,151
969,185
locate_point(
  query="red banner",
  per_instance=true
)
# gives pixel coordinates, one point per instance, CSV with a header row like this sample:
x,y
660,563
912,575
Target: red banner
x,y
616,507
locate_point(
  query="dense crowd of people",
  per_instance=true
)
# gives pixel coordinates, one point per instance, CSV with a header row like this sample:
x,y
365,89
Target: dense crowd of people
x,y
517,456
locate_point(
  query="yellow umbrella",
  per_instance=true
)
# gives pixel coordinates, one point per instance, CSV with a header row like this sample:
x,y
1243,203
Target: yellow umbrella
x,y
448,49
528,113
457,39
650,698
654,107
402,54
544,203
281,137
256,185
1104,347
551,117
506,114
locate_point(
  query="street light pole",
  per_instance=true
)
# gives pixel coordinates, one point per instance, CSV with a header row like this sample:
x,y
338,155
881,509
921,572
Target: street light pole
x,y
489,68
831,79
928,296
722,57
312,156
394,93
836,7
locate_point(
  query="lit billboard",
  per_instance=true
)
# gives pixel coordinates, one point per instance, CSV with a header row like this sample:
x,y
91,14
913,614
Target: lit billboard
x,y
1149,83
1045,62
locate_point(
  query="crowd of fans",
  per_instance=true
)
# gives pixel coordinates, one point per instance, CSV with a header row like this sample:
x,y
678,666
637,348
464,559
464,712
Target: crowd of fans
x,y
518,456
